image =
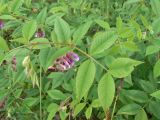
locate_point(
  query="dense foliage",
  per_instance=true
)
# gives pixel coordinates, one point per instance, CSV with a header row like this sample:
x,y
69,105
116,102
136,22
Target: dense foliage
x,y
79,59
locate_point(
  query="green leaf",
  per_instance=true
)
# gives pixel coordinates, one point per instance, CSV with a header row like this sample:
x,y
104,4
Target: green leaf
x,y
155,4
88,112
103,24
3,44
17,93
156,69
155,25
52,109
147,86
51,19
2,56
154,108
131,46
136,95
54,37
16,4
81,31
56,94
132,2
3,7
57,79
84,78
63,115
28,3
95,103
152,49
40,43
141,115
63,8
42,16
145,23
102,41
122,67
128,80
20,40
138,29
62,30
30,101
79,108
156,94
28,30
130,109
3,94
119,23
106,91
44,55
7,17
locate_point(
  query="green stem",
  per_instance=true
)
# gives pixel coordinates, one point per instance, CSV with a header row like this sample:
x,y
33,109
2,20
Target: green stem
x,y
40,93
114,106
91,58
116,99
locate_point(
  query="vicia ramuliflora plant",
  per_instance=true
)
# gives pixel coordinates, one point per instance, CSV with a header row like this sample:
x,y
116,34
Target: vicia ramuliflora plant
x,y
79,60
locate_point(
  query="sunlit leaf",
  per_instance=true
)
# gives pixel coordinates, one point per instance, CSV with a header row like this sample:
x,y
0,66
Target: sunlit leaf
x,y
106,91
84,78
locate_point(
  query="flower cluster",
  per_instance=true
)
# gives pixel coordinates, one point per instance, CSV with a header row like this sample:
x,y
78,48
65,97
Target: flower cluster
x,y
40,34
64,63
1,24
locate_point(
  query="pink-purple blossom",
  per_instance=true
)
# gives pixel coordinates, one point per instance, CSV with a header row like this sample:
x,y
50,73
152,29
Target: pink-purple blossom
x,y
40,34
64,63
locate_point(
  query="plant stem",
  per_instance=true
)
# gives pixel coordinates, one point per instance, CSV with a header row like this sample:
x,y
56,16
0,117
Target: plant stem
x,y
116,98
114,106
40,93
91,58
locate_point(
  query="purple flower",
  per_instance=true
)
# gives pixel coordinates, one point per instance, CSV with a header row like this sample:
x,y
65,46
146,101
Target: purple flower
x,y
40,34
64,63
61,67
1,24
70,61
73,56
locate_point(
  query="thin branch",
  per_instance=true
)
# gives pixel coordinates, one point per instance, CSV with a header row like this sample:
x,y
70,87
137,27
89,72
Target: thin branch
x,y
40,93
117,96
91,58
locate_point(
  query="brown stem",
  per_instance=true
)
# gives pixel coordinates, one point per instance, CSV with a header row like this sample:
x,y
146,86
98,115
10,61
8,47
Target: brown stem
x,y
117,96
108,115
